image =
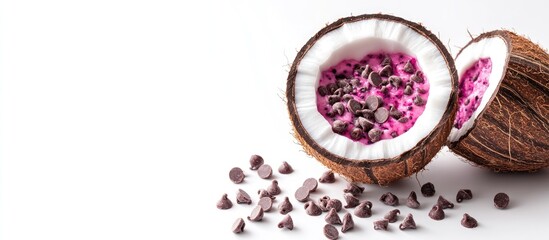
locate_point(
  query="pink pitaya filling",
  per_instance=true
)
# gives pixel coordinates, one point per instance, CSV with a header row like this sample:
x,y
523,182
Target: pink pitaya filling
x,y
394,96
472,85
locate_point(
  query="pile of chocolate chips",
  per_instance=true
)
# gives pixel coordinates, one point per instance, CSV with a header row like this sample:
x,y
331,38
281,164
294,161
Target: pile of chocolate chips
x,y
332,206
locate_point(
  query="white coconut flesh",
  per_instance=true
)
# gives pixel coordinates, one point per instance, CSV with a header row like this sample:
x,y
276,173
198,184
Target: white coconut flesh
x,y
354,41
493,48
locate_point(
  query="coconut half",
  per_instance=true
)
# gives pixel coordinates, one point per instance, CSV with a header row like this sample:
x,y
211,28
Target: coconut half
x,y
503,124
397,134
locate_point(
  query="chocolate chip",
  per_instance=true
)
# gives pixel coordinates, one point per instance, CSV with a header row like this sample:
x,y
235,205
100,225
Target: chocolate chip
x,y
340,76
353,189
342,83
464,194
323,91
364,123
391,216
311,184
330,232
347,97
501,200
408,223
386,71
409,68
354,106
339,126
467,101
355,82
417,77
381,224
265,171
444,203
468,221
274,189
381,115
351,200
428,189
287,223
412,202
255,162
243,197
332,217
408,90
403,120
224,202
323,202
339,92
285,168
389,199
236,175
394,134
386,61
327,177
256,215
394,112
367,113
364,209
362,89
238,225
348,223
332,87
265,193
374,134
395,81
366,71
374,79
302,194
335,204
266,203
333,99
357,134
339,108
285,206
421,90
418,101
373,102
436,213
384,90
312,209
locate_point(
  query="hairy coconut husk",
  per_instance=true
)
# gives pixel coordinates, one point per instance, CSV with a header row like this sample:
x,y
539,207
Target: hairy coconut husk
x,y
376,171
512,131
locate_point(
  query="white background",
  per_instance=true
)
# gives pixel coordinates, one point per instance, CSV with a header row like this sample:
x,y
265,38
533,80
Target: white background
x,y
121,119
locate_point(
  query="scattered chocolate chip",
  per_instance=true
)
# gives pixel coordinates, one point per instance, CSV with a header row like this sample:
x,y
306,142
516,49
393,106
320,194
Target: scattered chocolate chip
x,y
374,79
418,101
256,215
342,83
412,202
285,206
417,77
394,112
238,225
357,134
386,71
381,115
464,194
444,203
364,209
339,126
421,90
389,199
327,177
265,193
384,90
287,223
367,113
353,189
266,203
312,209
373,102
428,189
243,197
330,232
381,224
364,123
224,202
409,68
386,61
501,200
362,89
339,108
335,204
408,90
348,223
395,81
468,221
436,212
355,82
274,189
322,91
323,202
311,184
403,120
285,168
394,134
332,99
354,106
374,134
347,97
408,223
348,89
332,217
332,87
366,71
391,216
255,162
351,200
302,194
236,175
339,92
265,171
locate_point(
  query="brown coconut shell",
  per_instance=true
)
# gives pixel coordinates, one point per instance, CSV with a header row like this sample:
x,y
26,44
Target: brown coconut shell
x,y
376,171
512,131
